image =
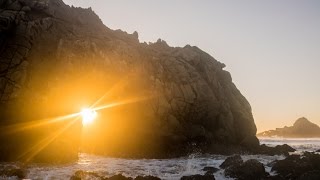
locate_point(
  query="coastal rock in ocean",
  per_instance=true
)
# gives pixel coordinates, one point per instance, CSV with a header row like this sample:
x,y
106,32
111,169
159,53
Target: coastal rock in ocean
x,y
119,177
146,178
251,169
250,142
9,172
235,160
295,166
277,150
198,177
302,128
311,175
210,170
80,174
55,59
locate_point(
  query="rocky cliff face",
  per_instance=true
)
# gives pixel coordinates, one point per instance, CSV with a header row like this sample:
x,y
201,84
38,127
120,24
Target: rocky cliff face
x,y
56,59
302,128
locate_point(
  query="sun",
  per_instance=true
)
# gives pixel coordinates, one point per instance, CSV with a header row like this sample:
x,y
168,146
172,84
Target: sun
x,y
88,116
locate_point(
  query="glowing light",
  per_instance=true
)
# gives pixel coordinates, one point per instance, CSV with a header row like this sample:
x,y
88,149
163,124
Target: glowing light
x,y
88,116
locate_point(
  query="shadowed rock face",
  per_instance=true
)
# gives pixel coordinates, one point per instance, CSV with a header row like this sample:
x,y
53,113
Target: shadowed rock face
x,y
56,58
302,128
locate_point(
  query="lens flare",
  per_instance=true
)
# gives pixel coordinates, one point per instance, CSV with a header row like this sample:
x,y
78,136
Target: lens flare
x,y
88,116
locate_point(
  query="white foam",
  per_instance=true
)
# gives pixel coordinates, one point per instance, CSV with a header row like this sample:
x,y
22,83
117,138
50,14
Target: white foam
x,y
163,168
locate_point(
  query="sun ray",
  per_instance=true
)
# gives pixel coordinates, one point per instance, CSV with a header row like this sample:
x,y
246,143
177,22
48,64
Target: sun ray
x,y
34,124
34,150
114,88
128,101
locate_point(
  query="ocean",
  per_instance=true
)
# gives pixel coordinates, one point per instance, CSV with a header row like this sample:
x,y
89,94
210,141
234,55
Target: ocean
x,y
163,168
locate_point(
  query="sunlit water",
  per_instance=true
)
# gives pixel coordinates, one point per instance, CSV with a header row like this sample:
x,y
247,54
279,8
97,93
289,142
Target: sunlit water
x,y
163,168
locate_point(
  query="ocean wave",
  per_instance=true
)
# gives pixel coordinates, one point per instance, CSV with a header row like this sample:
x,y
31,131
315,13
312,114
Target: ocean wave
x,y
300,144
172,169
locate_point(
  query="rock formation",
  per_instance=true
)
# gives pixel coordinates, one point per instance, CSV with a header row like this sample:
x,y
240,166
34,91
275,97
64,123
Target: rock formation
x,y
302,128
55,59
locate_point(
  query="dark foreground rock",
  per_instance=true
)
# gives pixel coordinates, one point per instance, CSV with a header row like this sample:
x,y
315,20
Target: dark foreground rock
x,y
119,177
81,175
236,168
277,150
54,59
311,175
210,170
147,178
7,172
298,166
235,160
198,177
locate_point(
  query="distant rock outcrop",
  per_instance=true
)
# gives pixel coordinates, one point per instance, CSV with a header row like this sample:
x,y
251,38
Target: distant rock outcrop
x,y
302,128
55,59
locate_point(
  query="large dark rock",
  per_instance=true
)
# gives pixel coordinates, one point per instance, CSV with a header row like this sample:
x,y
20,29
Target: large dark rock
x,y
9,172
311,175
210,170
302,128
251,169
55,59
80,174
295,166
236,168
198,177
146,178
119,177
235,160
277,150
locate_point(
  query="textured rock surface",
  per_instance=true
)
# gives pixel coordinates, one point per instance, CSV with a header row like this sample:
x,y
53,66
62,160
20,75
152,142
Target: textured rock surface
x,y
251,169
58,58
277,150
198,177
232,161
306,166
302,128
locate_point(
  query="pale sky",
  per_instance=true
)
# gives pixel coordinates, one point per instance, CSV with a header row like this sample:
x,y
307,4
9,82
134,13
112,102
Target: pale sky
x,y
271,48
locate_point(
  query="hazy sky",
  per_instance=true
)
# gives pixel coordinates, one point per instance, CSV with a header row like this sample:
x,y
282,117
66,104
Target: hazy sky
x,y
271,48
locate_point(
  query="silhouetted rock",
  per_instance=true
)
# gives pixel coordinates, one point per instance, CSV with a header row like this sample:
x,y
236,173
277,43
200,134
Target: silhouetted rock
x,y
8,172
210,170
146,178
236,168
302,128
80,175
56,58
311,175
198,177
294,166
251,169
235,160
119,177
276,177
250,142
277,150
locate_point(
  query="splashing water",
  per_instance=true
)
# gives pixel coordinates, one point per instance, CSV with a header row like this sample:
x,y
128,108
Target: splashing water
x,y
163,168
